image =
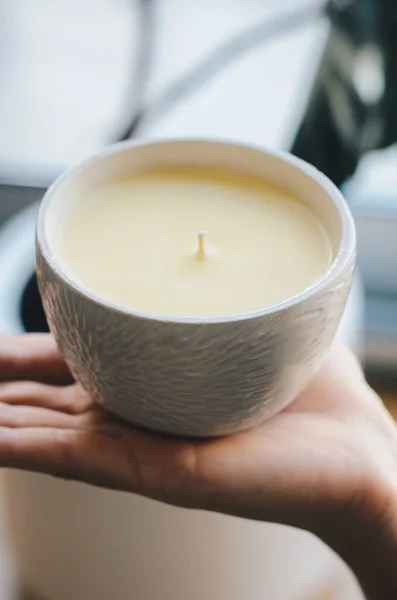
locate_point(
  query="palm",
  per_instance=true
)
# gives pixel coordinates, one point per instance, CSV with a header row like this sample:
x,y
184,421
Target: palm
x,y
300,457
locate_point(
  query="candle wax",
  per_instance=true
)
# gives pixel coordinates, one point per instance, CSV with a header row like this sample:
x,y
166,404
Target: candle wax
x,y
135,242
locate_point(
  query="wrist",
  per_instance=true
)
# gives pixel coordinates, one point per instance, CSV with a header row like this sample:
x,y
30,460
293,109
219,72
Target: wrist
x,y
370,525
365,537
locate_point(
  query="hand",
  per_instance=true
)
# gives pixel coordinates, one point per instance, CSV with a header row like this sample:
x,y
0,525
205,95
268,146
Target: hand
x,y
333,451
326,464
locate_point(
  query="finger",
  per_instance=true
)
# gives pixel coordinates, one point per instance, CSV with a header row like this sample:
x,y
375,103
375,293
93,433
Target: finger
x,y
69,399
82,455
28,416
97,454
34,357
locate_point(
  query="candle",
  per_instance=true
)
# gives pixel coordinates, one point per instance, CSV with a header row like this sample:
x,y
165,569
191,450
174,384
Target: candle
x,y
157,263
194,241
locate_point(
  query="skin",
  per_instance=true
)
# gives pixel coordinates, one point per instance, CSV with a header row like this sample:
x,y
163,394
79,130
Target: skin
x,y
327,464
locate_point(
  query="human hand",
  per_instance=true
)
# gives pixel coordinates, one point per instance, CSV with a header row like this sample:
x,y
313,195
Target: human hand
x,y
333,452
326,464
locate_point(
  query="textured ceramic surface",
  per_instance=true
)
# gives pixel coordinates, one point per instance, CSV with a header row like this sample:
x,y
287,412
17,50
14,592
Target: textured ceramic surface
x,y
195,377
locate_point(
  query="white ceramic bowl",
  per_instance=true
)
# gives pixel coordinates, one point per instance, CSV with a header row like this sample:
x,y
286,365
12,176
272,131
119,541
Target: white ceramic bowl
x,y
194,376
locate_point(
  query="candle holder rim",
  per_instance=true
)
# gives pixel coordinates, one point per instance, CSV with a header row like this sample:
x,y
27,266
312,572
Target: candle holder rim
x,y
345,254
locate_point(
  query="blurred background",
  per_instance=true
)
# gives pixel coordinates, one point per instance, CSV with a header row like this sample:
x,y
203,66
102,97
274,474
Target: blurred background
x,y
314,77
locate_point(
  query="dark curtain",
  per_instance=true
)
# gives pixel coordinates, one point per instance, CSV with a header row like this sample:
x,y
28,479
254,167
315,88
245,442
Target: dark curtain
x,y
340,124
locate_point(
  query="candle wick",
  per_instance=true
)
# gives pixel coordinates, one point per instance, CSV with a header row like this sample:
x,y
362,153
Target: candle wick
x,y
201,254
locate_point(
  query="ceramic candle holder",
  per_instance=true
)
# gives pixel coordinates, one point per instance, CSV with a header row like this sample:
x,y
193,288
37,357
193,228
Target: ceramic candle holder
x,y
195,376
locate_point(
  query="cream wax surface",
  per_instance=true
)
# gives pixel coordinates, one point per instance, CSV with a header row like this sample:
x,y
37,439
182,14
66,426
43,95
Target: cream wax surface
x,y
193,241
